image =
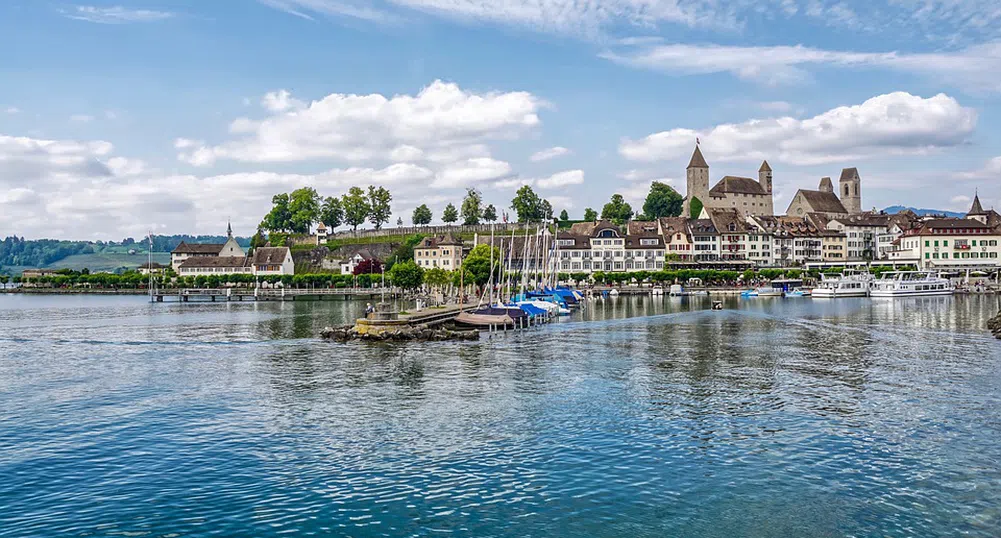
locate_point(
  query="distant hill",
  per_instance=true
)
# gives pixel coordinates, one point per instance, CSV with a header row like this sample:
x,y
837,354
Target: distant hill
x,y
923,212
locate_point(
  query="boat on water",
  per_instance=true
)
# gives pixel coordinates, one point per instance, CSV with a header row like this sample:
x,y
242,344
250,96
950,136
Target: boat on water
x,y
485,318
763,292
911,284
846,284
778,288
799,292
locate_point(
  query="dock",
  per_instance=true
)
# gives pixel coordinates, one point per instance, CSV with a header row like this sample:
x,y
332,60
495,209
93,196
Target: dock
x,y
186,295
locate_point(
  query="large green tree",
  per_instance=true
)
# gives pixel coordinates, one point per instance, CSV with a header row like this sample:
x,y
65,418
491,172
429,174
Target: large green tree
x,y
472,209
528,206
477,264
564,216
617,210
436,277
279,219
490,213
663,201
378,204
450,214
422,215
407,275
356,208
331,212
590,215
304,206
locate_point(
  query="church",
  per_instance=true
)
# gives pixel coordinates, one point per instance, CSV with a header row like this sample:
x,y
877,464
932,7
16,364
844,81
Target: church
x,y
750,197
826,202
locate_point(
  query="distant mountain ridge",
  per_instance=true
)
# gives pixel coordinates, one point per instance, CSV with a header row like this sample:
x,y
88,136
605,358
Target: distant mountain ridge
x,y
924,212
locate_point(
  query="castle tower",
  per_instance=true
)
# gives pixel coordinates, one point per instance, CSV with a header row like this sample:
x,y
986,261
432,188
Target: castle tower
x,y
698,181
850,190
826,185
765,176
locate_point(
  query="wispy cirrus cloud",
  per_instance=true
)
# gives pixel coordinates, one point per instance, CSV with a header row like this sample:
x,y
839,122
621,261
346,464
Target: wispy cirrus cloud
x,y
549,153
778,65
115,14
306,9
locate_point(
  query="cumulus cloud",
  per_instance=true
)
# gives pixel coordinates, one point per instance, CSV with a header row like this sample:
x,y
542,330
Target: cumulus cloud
x,y
897,123
115,14
441,118
972,67
549,153
471,172
72,189
561,179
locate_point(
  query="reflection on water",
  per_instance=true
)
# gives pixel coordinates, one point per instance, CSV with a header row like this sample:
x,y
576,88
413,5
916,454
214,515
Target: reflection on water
x,y
638,417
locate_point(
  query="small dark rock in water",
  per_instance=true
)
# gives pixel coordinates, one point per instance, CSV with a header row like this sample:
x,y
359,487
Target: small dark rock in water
x,y
994,325
401,334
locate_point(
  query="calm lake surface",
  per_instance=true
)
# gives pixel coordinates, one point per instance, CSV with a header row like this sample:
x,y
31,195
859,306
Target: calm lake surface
x,y
655,417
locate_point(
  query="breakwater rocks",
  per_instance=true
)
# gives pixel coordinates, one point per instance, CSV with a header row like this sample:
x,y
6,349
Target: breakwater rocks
x,y
398,334
994,325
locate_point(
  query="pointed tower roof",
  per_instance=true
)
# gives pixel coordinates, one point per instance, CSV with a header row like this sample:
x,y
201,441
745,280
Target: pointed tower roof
x,y
976,209
698,161
765,167
229,229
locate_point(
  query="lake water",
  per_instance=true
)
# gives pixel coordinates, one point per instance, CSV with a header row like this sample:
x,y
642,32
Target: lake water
x,y
655,417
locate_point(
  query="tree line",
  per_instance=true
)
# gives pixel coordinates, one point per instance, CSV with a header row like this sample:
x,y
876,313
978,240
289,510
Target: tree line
x,y
297,211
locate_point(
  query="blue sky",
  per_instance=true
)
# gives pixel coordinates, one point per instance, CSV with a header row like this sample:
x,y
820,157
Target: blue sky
x,y
174,115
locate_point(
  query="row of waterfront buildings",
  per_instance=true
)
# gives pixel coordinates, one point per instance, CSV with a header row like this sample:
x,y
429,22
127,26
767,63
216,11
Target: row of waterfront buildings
x,y
736,228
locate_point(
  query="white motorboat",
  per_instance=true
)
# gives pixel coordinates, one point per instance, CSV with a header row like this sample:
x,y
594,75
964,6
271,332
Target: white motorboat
x,y
847,284
911,284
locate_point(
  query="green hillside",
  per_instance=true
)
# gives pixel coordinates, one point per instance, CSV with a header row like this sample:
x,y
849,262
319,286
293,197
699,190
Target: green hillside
x,y
107,261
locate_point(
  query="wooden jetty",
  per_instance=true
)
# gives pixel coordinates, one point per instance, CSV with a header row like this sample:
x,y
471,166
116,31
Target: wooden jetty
x,y
186,295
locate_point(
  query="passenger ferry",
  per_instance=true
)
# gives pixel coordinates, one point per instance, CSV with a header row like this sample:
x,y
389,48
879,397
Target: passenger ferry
x,y
847,284
911,284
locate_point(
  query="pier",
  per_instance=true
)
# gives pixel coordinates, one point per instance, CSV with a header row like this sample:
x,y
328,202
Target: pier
x,y
270,294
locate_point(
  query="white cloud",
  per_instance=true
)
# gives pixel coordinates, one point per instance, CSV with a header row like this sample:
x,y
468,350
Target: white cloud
x,y
971,67
12,110
115,14
561,179
281,101
897,123
549,153
81,118
570,17
70,189
471,172
441,118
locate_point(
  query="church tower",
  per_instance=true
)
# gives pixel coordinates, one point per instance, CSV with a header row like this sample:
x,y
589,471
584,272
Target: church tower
x,y
698,181
851,190
765,177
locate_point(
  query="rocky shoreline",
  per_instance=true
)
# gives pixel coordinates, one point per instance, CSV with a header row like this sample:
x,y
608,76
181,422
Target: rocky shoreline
x,y
421,333
994,325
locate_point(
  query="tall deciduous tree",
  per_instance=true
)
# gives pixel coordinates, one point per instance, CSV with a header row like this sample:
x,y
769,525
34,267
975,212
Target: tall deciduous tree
x,y
331,212
407,275
564,216
490,213
356,208
304,206
472,209
617,210
378,202
590,215
422,215
663,201
279,219
528,205
450,214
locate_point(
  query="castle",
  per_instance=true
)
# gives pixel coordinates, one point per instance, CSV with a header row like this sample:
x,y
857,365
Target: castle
x,y
748,196
754,197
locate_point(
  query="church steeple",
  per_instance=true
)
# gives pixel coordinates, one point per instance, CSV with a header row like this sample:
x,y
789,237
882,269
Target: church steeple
x,y
976,209
229,229
698,161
